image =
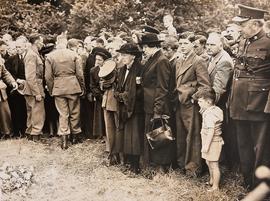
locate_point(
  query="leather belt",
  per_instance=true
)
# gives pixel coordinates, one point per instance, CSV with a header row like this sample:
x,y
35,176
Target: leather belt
x,y
246,74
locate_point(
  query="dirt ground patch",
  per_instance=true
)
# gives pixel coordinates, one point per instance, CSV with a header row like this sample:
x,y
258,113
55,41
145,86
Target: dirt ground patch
x,y
79,174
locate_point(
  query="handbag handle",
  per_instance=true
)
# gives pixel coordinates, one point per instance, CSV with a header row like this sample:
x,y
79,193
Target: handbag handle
x,y
163,119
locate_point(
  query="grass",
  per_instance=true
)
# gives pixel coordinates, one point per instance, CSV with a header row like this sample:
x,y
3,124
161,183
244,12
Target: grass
x,y
80,174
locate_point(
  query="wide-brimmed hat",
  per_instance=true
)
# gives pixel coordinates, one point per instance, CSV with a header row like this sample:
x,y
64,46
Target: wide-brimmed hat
x,y
130,48
150,38
108,66
105,54
246,13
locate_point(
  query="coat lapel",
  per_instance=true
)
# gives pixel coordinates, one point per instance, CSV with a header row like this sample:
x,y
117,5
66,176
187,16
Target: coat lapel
x,y
151,61
181,69
215,60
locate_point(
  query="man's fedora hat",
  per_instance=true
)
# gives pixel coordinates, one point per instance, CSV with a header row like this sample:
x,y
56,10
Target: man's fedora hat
x,y
246,13
108,66
130,48
150,38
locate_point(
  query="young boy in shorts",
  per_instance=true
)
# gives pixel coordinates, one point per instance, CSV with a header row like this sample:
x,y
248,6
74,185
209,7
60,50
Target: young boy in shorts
x,y
212,142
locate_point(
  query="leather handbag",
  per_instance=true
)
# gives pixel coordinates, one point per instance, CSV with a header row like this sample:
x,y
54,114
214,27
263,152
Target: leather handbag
x,y
161,136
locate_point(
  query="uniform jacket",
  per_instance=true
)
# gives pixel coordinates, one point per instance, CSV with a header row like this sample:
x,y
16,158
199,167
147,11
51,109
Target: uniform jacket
x,y
156,84
5,77
191,74
220,69
250,98
64,73
34,71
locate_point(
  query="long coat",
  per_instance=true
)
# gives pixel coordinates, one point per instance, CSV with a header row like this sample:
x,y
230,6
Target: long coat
x,y
98,125
5,117
131,114
156,82
250,104
191,75
156,78
15,66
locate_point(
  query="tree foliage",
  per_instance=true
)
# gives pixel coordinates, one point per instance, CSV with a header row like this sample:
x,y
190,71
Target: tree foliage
x,y
88,17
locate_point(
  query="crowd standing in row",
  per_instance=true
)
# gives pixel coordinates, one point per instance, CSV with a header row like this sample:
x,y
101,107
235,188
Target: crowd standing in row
x,y
212,88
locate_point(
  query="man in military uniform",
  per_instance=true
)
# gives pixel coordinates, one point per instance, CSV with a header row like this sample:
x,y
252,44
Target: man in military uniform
x,y
250,98
33,90
64,78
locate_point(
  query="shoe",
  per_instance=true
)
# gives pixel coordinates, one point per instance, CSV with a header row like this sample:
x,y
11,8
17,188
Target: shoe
x,y
76,138
28,136
36,138
64,142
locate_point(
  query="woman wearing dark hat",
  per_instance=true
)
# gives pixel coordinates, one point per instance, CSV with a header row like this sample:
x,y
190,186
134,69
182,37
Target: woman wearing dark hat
x,y
129,94
95,95
156,81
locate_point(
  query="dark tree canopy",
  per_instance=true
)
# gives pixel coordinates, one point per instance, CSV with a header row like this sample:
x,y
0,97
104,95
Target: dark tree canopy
x,y
88,17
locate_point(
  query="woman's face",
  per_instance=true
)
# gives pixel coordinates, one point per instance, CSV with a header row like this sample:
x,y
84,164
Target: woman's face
x,y
99,61
127,58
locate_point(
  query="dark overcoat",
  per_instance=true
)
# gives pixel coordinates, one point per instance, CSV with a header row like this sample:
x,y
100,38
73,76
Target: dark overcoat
x,y
156,81
15,66
98,114
131,114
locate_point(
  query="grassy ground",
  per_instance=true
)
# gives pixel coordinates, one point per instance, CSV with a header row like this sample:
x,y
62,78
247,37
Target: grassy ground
x,y
80,174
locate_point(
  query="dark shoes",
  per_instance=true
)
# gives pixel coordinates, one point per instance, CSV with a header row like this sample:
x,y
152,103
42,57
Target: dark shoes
x,y
76,138
64,142
6,136
36,138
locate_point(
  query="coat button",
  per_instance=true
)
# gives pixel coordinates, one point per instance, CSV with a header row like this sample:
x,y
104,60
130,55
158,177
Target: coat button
x,y
263,89
242,64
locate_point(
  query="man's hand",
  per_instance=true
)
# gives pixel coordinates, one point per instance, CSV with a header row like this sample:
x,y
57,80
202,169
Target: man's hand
x,y
20,81
38,98
14,86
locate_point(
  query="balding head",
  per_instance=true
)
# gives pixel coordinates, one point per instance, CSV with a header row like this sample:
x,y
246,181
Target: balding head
x,y
214,44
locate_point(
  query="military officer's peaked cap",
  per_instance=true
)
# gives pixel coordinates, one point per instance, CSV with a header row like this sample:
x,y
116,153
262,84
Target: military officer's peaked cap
x,y
246,13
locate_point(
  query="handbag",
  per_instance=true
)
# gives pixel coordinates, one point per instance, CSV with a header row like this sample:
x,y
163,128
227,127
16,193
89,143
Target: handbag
x,y
160,137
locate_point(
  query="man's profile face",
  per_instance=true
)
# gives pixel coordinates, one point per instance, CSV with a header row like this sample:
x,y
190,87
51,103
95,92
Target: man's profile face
x,y
248,29
3,49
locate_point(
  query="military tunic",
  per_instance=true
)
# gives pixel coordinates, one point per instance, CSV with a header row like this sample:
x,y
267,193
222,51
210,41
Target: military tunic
x,y
250,104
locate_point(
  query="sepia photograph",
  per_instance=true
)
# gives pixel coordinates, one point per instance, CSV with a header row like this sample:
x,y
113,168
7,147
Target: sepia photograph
x,y
134,100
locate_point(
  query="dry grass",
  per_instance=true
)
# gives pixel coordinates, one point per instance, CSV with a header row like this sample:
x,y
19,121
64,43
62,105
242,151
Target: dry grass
x,y
79,174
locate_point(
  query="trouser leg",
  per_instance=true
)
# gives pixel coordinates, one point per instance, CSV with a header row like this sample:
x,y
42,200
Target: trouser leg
x,y
74,111
5,118
61,104
35,115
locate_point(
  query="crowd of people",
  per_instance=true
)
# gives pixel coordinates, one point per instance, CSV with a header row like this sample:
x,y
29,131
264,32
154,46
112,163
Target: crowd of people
x,y
211,89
